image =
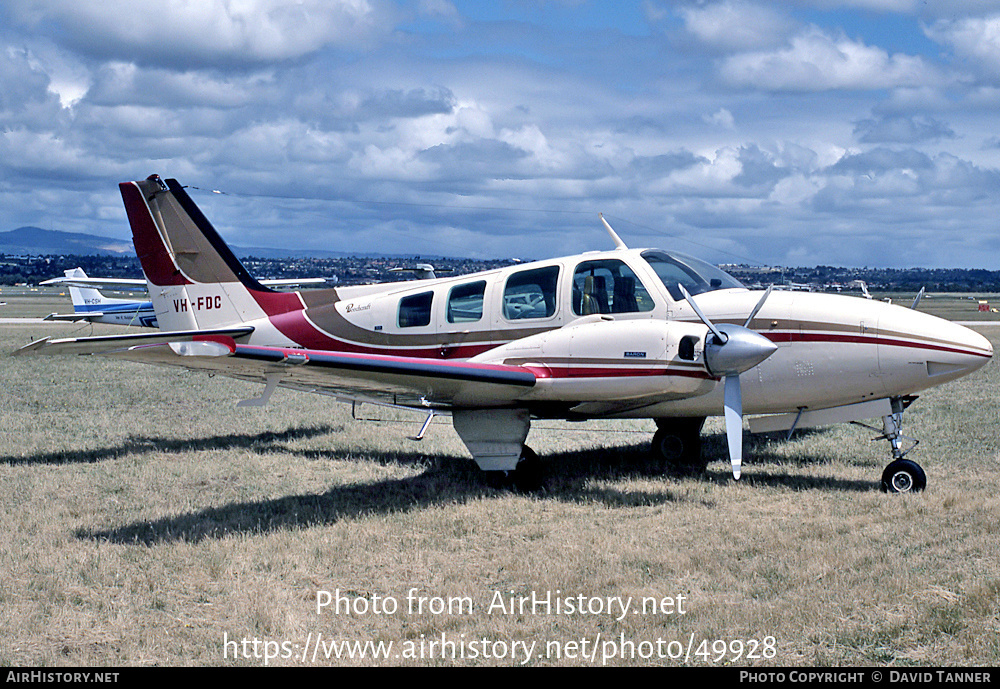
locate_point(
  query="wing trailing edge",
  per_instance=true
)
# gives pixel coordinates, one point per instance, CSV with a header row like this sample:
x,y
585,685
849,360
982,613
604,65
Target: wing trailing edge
x,y
407,381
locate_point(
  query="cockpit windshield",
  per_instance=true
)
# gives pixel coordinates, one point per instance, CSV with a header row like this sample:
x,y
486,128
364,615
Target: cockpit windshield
x,y
696,275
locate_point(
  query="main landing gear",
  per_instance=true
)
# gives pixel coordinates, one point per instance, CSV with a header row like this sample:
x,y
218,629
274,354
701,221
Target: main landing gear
x,y
526,477
677,443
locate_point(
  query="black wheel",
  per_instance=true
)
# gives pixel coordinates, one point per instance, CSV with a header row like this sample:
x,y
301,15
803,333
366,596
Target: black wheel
x,y
903,476
526,477
679,447
528,474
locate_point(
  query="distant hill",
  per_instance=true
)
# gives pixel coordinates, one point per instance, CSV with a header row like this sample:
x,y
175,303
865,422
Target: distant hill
x,y
35,240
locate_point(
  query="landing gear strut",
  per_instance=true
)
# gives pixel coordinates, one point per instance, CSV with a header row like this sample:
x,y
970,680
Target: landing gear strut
x,y
677,442
902,475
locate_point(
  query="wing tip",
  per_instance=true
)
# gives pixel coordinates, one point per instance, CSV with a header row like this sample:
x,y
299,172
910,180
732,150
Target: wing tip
x,y
31,347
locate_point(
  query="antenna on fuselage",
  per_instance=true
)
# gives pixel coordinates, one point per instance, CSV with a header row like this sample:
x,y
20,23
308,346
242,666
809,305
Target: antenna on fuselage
x,y
619,244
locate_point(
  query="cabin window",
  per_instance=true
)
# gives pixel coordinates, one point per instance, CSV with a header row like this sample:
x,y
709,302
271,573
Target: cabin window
x,y
465,302
531,294
608,286
415,310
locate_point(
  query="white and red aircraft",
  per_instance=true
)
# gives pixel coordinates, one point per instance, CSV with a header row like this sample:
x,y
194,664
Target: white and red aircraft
x,y
627,333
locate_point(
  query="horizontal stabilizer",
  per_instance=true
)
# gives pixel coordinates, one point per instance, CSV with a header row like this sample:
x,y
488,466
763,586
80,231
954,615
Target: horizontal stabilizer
x,y
114,284
111,344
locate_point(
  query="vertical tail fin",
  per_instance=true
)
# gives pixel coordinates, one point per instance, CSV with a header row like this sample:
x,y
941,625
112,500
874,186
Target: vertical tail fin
x,y
195,280
87,299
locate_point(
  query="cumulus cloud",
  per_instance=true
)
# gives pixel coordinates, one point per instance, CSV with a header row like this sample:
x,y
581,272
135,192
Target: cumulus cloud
x,y
975,38
178,32
25,92
124,82
743,126
736,25
902,130
722,118
816,61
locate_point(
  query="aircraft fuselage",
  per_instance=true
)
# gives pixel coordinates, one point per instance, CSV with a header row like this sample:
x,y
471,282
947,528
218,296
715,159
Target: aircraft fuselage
x,y
607,325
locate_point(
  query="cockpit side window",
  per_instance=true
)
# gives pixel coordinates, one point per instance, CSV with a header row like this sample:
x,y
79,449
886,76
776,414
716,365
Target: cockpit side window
x,y
608,286
531,293
696,275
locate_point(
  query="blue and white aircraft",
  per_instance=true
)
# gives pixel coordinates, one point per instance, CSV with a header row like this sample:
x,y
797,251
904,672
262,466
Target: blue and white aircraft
x,y
90,305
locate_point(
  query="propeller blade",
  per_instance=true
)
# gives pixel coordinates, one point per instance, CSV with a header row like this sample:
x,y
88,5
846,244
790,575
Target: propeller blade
x,y
704,319
734,423
917,300
760,303
735,349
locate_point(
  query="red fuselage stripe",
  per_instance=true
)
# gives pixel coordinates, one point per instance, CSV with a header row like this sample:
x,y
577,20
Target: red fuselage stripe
x,y
871,340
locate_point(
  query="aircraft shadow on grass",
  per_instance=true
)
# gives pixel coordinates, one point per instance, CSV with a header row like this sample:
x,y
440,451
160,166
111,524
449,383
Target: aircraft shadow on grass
x,y
576,477
139,445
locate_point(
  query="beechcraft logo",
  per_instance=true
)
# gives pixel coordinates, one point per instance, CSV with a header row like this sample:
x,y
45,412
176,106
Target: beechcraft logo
x,y
635,355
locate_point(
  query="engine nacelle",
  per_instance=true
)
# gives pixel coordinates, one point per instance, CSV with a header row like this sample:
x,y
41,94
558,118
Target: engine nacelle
x,y
598,358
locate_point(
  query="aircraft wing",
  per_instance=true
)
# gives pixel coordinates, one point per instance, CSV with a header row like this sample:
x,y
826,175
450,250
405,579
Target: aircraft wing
x,y
115,284
407,381
73,317
120,345
137,285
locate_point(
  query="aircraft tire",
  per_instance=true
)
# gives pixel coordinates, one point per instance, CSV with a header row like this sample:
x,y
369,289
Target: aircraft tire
x,y
903,476
527,477
528,474
679,449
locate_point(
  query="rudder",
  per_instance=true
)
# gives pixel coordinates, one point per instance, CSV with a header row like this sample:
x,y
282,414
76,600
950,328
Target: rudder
x,y
195,280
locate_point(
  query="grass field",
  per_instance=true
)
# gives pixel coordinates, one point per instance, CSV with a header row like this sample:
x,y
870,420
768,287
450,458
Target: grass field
x,y
147,521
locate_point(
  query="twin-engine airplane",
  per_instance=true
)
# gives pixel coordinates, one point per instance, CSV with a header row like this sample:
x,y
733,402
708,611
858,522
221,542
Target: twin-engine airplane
x,y
628,333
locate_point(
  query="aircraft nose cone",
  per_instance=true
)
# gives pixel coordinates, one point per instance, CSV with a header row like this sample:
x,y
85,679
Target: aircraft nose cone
x,y
742,350
978,350
946,349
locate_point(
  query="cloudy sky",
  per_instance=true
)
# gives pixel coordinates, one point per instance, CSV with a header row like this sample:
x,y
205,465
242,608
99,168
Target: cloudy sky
x,y
804,132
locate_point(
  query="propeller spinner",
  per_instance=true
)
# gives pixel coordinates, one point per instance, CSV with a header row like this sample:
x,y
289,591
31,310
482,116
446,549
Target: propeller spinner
x,y
729,351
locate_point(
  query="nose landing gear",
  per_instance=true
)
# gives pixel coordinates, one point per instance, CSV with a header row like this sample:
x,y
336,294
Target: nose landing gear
x,y
902,475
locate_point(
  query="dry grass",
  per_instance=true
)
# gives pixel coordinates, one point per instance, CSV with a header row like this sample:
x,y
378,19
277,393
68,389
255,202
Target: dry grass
x,y
145,519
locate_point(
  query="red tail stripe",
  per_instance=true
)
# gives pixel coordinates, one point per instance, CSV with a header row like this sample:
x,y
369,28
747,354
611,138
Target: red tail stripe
x,y
156,262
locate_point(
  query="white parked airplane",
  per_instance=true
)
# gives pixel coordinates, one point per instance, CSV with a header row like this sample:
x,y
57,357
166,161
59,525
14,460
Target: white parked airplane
x,y
89,304
627,333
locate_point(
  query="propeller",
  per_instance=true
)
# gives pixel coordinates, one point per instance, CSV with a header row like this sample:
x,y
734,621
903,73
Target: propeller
x,y
730,351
